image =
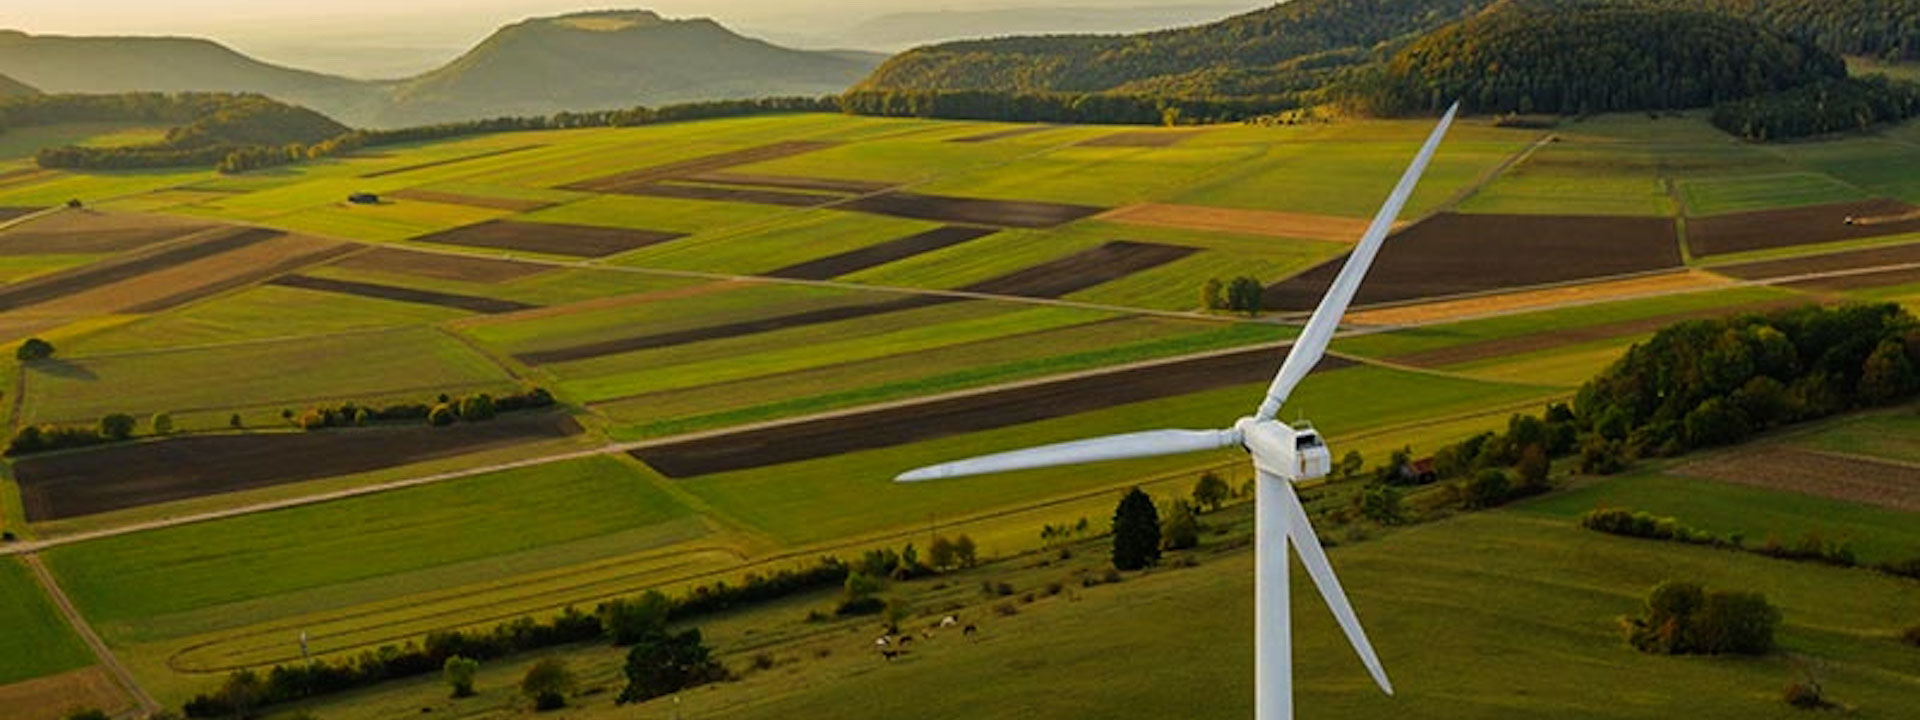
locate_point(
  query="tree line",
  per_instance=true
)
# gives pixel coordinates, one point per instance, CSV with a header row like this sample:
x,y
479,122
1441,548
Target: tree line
x,y
1829,106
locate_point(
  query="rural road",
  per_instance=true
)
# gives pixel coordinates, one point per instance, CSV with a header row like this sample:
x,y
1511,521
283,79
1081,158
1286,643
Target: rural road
x,y
140,697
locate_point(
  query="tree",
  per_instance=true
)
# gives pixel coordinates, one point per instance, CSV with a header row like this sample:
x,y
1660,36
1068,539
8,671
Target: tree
x,y
1181,530
1488,489
34,349
459,672
1381,504
235,422
1210,295
1351,464
442,415
89,714
1887,377
117,426
965,551
859,594
941,553
476,407
1136,531
627,620
548,682
1211,491
1245,295
664,663
162,423
242,692
1533,470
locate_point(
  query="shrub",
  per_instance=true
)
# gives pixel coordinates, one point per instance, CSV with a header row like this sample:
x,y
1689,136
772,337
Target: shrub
x,y
1488,489
1181,529
1381,504
474,408
162,423
34,349
1682,618
940,553
89,714
548,682
117,426
459,672
1806,695
1211,491
965,552
628,620
1912,636
666,663
442,415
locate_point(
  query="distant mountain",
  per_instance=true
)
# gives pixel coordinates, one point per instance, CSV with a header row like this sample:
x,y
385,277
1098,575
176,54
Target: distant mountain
x,y
603,60
10,87
899,31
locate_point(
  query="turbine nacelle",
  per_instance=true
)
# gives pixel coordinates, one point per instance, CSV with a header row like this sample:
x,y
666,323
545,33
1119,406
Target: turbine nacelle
x,y
1297,454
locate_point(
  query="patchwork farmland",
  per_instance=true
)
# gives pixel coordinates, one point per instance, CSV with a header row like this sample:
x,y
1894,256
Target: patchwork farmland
x,y
748,326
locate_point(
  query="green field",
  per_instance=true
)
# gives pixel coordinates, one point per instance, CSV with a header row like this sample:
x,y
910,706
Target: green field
x,y
39,642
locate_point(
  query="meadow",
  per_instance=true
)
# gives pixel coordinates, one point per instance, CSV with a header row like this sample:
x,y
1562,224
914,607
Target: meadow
x,y
39,641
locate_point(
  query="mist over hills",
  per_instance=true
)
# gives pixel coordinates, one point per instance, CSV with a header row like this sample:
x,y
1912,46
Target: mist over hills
x,y
582,61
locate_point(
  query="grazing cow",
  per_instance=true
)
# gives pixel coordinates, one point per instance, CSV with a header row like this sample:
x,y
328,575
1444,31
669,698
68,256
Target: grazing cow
x,y
970,630
883,641
926,634
890,654
949,621
905,640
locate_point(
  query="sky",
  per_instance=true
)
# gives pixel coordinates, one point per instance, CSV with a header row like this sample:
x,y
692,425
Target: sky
x,y
389,38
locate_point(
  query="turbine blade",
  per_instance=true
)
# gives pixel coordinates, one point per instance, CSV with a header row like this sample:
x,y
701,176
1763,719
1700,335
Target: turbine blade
x,y
1112,447
1312,555
1312,343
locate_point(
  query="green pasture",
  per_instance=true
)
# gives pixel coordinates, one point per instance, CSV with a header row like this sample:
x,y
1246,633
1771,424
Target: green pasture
x,y
259,313
1098,176
776,243
16,268
1177,285
389,221
255,375
1569,366
700,406
905,160
661,214
1876,165
1578,176
853,493
58,187
1893,436
1760,192
38,640
182,580
1433,337
21,143
562,285
643,314
805,347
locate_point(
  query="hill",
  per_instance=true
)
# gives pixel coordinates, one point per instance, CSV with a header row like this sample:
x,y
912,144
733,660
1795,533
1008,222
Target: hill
x,y
10,87
902,30
604,60
207,127
1584,57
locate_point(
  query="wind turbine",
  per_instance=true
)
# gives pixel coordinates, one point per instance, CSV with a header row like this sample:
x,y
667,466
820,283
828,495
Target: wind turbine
x,y
1282,455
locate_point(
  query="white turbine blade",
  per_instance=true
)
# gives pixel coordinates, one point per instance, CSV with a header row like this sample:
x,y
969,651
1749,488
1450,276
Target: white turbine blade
x,y
1312,555
1312,343
1112,447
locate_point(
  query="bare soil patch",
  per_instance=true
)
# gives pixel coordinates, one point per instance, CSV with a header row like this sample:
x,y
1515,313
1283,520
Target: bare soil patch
x,y
1002,134
550,238
183,284
441,267
970,211
54,487
53,696
1082,270
1481,305
1504,347
922,421
98,275
89,231
789,182
496,203
9,213
469,303
1831,262
450,161
872,256
1456,254
1840,477
1138,139
758,196
1331,228
626,181
1767,229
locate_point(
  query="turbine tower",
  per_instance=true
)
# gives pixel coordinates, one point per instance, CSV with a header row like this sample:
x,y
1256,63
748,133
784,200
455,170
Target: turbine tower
x,y
1282,456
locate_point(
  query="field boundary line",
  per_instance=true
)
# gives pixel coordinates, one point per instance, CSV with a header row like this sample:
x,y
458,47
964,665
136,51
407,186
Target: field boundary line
x,y
32,216
1464,194
100,650
1389,364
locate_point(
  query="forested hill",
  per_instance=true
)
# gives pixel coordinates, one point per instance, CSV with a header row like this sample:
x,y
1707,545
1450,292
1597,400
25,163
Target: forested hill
x,y
1301,44
1191,59
10,87
1572,57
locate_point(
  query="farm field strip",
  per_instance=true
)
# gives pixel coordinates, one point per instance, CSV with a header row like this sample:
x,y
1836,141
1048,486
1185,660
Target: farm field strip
x,y
50,697
452,198
1867,259
1330,228
549,237
440,266
69,231
626,181
215,275
122,269
1808,225
1549,339
1659,283
450,161
1862,480
1002,134
470,303
39,641
852,261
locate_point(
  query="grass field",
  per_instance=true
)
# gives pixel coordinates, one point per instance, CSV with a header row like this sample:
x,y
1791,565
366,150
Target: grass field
x,y
38,641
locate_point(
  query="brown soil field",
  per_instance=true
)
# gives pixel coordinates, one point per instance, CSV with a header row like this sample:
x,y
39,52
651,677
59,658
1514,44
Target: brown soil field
x,y
53,696
1002,134
904,424
730,330
624,181
1138,139
1302,226
187,283
496,203
88,231
440,267
469,303
1831,262
1082,270
789,182
1861,480
100,275
1503,347
1060,277
1863,281
67,485
9,213
783,198
550,238
1482,305
833,266
970,211
1766,229
450,161
1454,254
